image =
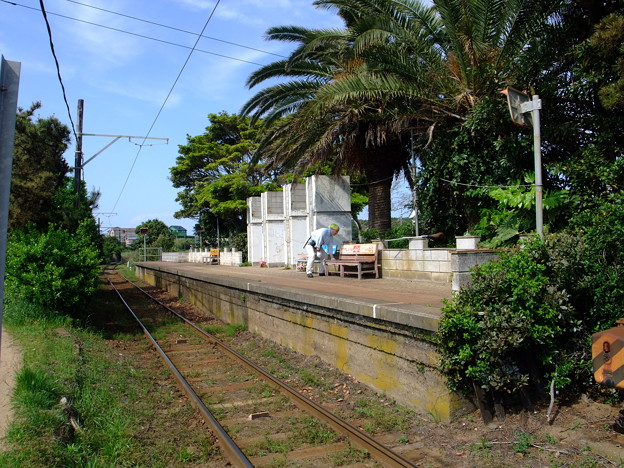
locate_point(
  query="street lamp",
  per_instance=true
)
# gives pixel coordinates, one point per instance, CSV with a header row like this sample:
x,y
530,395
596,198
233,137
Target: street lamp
x,y
143,230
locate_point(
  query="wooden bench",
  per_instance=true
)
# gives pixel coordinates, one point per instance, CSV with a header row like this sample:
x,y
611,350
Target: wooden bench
x,y
363,257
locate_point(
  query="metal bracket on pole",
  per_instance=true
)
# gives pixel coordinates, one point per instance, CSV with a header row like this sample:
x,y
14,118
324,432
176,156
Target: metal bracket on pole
x,y
116,138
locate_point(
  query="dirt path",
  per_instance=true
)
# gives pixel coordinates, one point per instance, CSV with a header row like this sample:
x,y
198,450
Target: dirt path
x,y
10,360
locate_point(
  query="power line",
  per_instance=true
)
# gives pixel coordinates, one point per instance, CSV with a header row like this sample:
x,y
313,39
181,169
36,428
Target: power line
x,y
166,99
135,34
175,29
58,68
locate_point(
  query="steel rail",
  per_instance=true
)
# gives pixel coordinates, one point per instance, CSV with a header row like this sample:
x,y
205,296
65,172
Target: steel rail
x,y
232,452
377,450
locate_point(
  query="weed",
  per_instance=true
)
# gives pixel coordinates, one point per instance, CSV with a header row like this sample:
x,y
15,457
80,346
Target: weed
x,y
524,443
312,431
382,418
575,426
483,448
403,439
312,379
269,445
349,456
588,462
550,439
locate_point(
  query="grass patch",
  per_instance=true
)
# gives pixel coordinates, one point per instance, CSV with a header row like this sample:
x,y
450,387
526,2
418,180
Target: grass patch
x,y
229,330
349,456
314,432
79,402
312,379
383,418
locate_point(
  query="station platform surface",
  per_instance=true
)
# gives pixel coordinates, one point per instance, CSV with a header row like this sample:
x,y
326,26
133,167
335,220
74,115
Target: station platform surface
x,y
405,296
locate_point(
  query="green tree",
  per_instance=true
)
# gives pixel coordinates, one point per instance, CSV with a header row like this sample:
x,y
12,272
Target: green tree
x,y
216,176
63,209
39,169
111,249
158,235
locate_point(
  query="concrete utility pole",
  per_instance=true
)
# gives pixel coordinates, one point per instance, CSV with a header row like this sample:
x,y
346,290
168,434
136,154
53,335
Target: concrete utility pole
x,y
9,87
78,158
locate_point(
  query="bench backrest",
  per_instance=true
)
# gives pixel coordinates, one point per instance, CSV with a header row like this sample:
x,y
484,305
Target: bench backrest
x,y
358,251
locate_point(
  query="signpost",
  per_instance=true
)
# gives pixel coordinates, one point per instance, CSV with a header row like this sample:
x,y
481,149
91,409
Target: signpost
x,y
525,112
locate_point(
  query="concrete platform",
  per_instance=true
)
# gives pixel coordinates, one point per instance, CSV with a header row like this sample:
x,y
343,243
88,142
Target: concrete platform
x,y
380,331
379,296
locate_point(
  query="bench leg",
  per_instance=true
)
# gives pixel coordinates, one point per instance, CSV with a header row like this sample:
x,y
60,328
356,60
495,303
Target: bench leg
x,y
342,271
359,267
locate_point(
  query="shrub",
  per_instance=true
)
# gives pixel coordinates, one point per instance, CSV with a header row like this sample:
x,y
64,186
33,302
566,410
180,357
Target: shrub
x,y
528,317
55,268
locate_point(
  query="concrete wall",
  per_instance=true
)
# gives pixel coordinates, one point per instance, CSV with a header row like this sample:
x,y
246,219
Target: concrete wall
x,y
383,347
279,223
463,261
423,265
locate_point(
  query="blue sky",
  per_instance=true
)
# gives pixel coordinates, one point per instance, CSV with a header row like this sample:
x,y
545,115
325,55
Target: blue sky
x,y
125,79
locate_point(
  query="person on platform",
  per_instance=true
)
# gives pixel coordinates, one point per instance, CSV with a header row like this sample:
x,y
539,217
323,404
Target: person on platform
x,y
318,238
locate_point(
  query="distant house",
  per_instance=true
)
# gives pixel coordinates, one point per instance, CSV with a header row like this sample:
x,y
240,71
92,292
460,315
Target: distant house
x,y
124,235
179,231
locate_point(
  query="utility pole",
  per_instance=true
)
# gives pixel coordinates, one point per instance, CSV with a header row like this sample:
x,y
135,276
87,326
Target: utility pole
x,y
9,86
78,159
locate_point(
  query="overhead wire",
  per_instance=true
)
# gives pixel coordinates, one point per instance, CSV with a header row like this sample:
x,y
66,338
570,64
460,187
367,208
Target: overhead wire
x,y
58,67
165,102
137,34
174,28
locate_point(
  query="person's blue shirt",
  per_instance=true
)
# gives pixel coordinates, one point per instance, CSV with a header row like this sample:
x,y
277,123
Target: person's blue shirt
x,y
322,236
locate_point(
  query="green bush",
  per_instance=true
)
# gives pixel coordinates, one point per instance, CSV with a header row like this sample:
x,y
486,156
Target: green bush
x,y
527,318
55,268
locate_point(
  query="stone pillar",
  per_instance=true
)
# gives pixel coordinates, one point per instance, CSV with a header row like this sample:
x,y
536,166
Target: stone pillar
x,y
418,243
467,242
255,237
274,248
296,223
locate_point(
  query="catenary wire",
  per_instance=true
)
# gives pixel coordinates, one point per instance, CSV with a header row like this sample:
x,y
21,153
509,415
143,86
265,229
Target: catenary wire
x,y
58,67
175,29
165,102
134,34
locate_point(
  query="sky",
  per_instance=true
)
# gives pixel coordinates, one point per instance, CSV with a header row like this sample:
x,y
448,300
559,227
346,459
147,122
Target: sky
x,y
133,65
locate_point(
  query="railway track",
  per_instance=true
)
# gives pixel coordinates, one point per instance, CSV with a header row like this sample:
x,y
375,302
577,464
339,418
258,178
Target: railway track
x,y
258,419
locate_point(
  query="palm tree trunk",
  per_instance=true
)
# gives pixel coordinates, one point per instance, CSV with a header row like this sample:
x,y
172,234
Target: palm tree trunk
x,y
379,207
379,172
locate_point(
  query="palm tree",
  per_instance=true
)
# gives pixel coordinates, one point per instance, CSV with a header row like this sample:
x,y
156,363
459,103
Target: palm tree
x,y
399,67
306,126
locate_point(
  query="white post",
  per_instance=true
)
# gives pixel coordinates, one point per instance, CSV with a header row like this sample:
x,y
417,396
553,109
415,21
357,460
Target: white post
x,y
537,156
